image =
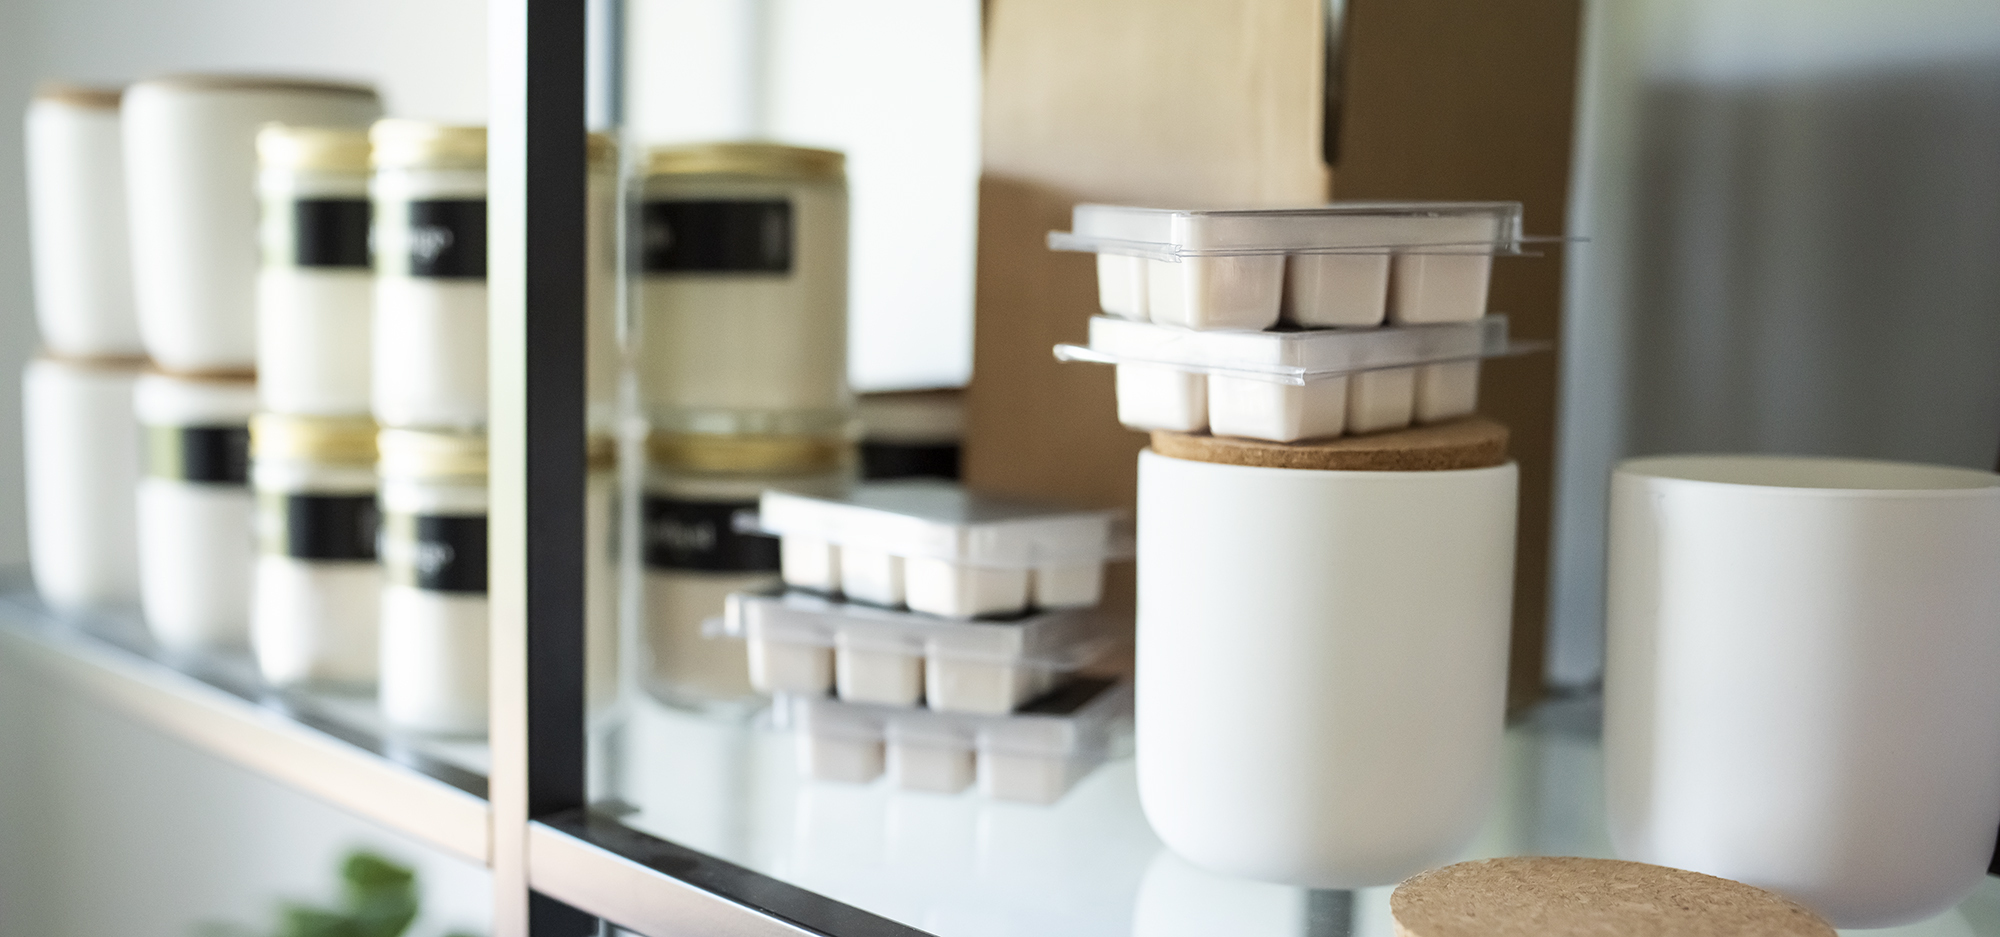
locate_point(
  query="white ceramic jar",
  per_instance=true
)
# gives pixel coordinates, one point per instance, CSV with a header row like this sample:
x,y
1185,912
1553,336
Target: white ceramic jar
x,y
195,508
1799,677
315,290
1321,666
76,223
319,589
434,626
191,183
429,192
82,461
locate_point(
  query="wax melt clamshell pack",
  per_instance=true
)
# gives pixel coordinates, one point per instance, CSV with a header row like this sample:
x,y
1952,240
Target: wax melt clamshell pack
x,y
1289,384
1342,264
1034,755
809,644
940,548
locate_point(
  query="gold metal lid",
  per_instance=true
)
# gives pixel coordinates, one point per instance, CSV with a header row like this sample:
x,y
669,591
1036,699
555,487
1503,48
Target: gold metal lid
x,y
766,160
321,149
216,82
63,92
601,452
431,454
421,144
313,438
744,453
600,151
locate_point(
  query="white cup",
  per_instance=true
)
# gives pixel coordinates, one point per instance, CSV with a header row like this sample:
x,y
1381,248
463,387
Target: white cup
x,y
1322,665
1802,683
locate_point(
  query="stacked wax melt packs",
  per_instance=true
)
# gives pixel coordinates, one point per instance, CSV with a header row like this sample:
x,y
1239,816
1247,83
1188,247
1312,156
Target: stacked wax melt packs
x,y
1290,324
1034,755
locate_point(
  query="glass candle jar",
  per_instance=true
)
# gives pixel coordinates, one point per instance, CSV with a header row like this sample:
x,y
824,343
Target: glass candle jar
x,y
315,289
319,589
434,610
194,510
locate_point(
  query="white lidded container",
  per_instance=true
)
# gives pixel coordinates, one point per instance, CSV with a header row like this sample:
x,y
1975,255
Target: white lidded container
x,y
940,548
191,184
434,625
1345,264
429,192
740,291
1799,677
319,587
695,552
804,643
1291,385
1321,664
315,291
83,461
76,223
196,540
1032,756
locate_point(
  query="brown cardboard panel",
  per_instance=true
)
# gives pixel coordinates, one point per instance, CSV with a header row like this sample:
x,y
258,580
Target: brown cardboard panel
x,y
1473,99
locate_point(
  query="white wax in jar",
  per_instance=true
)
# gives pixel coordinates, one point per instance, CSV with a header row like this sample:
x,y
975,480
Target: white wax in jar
x,y
195,558
434,660
430,323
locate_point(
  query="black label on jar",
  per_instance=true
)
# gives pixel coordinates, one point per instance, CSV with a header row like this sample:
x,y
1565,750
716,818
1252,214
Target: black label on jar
x,y
213,454
702,535
318,526
716,236
330,232
448,238
437,552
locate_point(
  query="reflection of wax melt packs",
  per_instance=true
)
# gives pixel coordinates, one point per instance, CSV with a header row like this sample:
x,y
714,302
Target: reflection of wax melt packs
x,y
319,588
809,644
953,552
315,291
433,665
195,508
1034,755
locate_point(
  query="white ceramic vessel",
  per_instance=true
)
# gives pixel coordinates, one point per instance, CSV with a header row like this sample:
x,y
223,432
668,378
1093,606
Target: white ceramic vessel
x,y
76,223
82,464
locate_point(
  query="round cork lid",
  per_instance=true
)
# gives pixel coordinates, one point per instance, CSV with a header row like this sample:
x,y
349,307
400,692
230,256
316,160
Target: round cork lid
x,y
1469,443
1566,897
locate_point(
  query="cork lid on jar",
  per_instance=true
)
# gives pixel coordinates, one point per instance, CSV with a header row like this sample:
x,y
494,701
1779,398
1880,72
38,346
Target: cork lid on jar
x,y
400,143
312,149
765,160
347,439
299,84
1547,896
1468,443
79,96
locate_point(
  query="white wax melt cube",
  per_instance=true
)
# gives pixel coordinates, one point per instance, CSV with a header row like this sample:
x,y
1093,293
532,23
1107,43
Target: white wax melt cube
x,y
1241,406
1121,286
1066,585
809,563
1326,290
1427,288
1154,397
942,769
1035,779
868,672
939,587
780,666
1445,391
830,757
1216,292
1379,400
971,686
871,576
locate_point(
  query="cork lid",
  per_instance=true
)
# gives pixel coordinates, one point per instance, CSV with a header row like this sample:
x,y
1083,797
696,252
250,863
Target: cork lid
x,y
320,149
1469,443
313,438
401,143
83,96
600,152
1569,897
294,83
769,160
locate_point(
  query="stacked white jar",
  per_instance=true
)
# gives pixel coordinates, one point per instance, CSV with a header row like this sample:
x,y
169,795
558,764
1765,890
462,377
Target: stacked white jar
x,y
434,611
314,292
429,193
318,587
191,173
195,508
76,224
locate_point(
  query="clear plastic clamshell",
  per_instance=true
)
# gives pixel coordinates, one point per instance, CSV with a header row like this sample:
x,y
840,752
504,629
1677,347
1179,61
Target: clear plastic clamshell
x,y
942,521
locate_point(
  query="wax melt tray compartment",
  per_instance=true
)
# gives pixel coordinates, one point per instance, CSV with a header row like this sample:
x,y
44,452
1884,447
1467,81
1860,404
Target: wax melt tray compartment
x,y
807,644
1034,755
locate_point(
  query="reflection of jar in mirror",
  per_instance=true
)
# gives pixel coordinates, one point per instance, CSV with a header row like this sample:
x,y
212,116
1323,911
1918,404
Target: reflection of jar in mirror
x,y
429,195
600,574
602,361
315,289
695,555
434,610
741,290
194,509
319,589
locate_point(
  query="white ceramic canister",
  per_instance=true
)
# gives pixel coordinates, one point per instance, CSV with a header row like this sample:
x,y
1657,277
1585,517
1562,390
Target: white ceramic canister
x,y
429,192
694,555
82,466
76,223
196,541
741,290
1799,681
191,184
315,292
1321,664
319,589
434,623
